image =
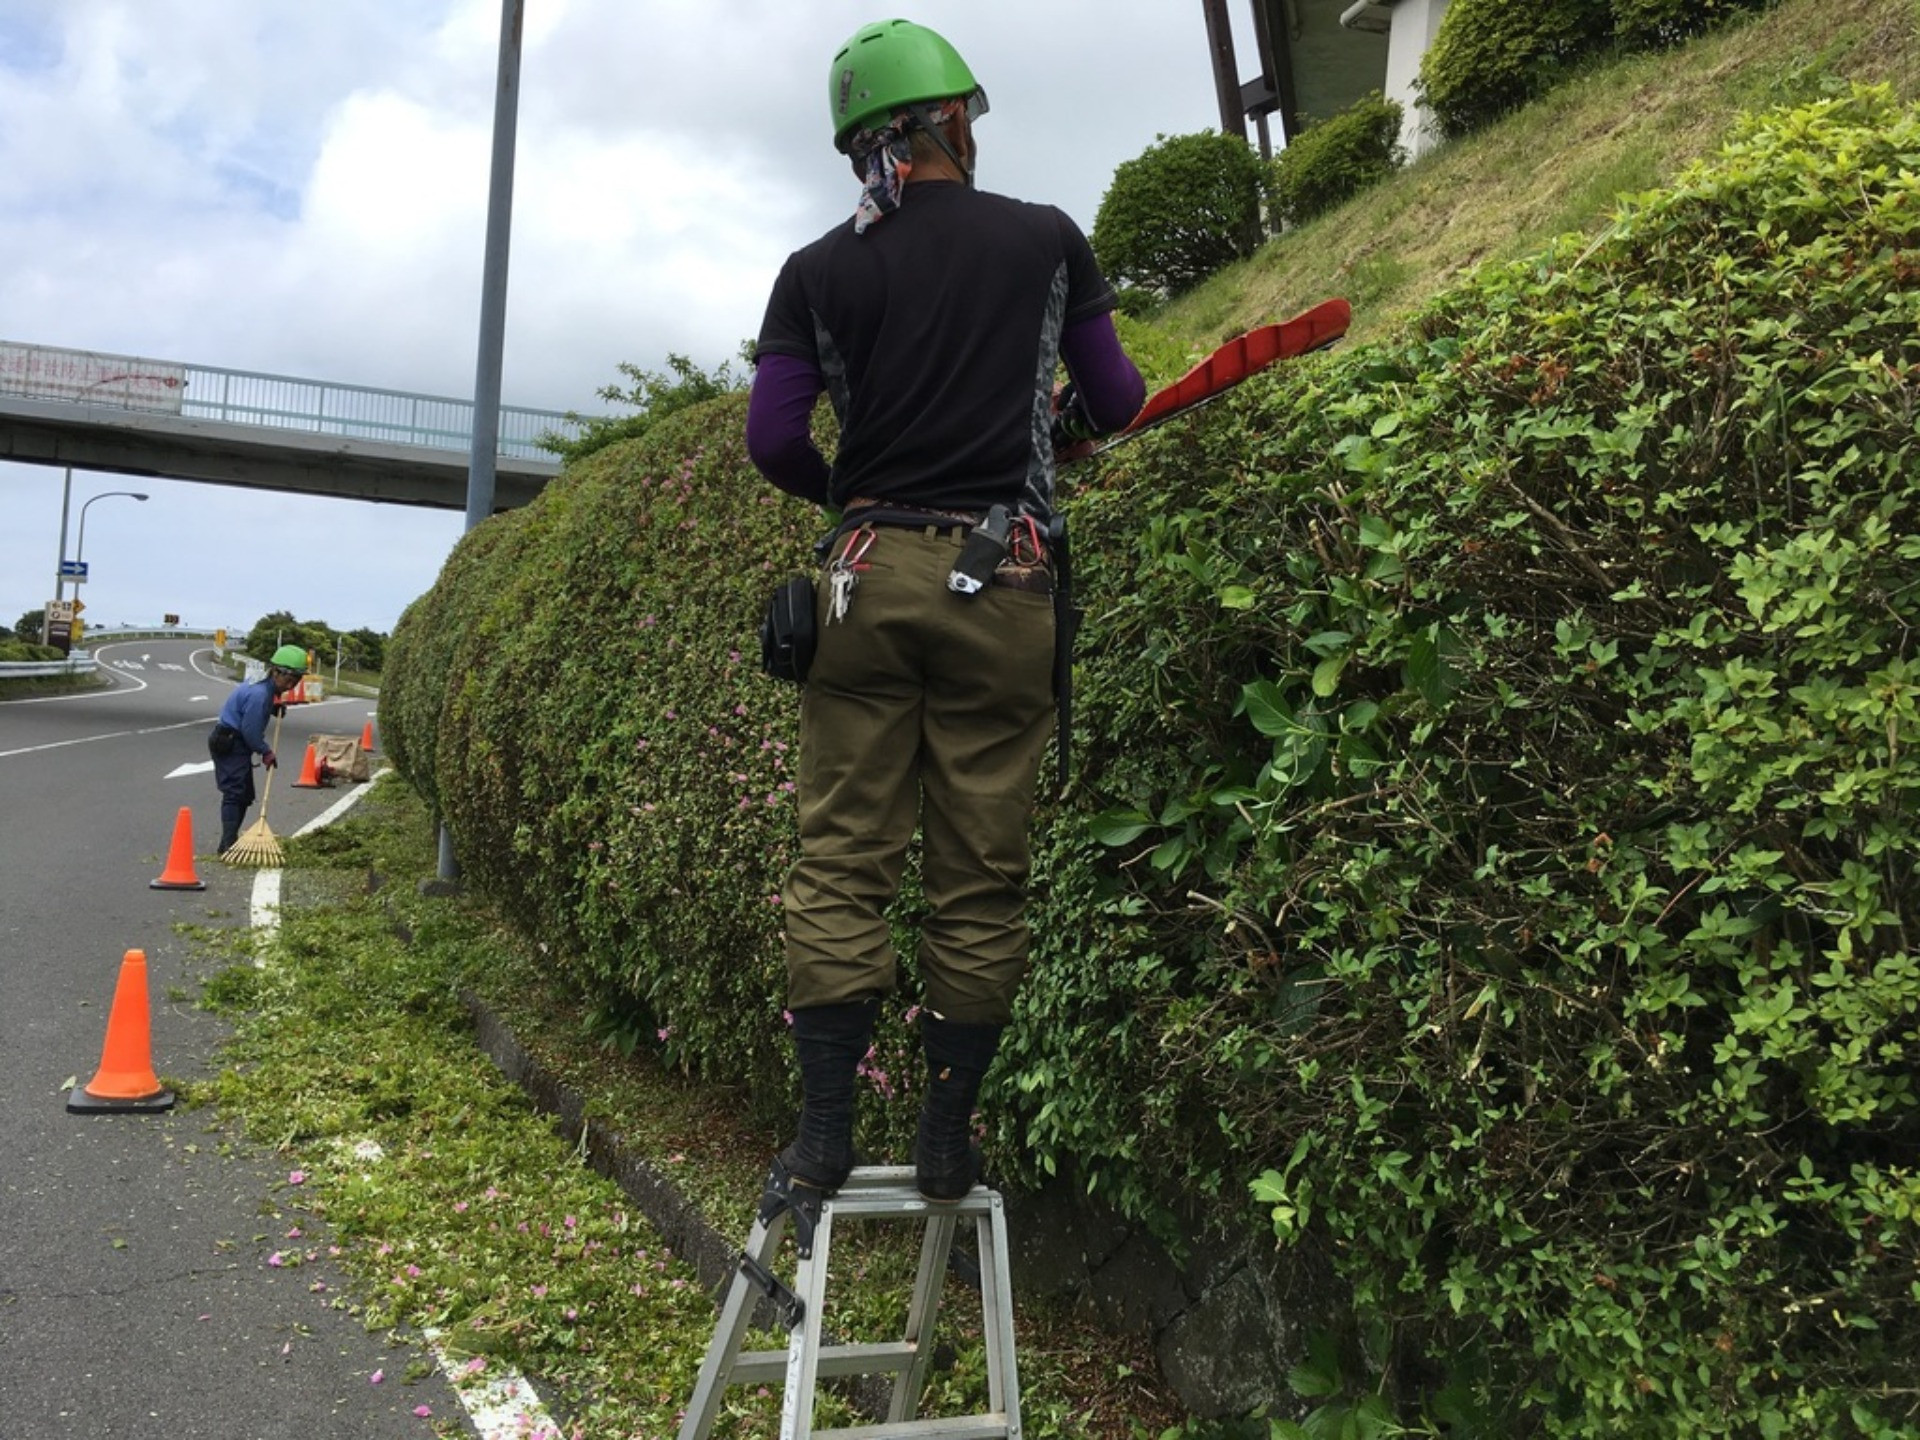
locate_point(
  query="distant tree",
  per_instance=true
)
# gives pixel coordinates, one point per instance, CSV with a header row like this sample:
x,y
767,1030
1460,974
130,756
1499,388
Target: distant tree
x,y
654,396
369,648
1179,211
29,625
269,632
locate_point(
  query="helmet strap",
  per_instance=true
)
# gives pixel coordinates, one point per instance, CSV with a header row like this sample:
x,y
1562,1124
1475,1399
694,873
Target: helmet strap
x,y
932,119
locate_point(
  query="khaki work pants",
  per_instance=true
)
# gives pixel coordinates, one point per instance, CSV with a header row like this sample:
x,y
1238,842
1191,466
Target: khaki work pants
x,y
922,705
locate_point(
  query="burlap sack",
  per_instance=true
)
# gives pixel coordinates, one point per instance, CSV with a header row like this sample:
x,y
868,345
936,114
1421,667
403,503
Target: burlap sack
x,y
343,755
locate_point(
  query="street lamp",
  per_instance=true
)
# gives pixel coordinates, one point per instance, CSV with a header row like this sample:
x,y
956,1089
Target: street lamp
x,y
80,549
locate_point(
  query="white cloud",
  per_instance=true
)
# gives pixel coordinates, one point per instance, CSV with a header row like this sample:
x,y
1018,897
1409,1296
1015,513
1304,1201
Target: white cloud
x,y
302,190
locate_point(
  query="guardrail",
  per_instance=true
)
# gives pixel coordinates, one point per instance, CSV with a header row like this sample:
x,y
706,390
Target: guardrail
x,y
78,663
100,634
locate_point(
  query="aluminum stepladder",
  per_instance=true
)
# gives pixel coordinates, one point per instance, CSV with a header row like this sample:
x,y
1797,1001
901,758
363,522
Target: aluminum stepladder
x,y
877,1193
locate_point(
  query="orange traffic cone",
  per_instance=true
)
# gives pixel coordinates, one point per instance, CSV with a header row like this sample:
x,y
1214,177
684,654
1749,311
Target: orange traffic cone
x,y
366,737
309,775
125,1081
179,874
297,695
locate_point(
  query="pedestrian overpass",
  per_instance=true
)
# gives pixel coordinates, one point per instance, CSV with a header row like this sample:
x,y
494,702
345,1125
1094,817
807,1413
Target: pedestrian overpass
x,y
131,416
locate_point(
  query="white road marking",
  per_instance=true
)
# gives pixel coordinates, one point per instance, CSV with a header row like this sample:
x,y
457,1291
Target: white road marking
x,y
110,735
334,811
501,1404
188,769
499,1400
196,699
265,911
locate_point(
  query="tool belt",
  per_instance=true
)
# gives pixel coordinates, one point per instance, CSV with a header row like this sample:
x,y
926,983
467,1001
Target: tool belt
x,y
222,741
1049,572
1025,564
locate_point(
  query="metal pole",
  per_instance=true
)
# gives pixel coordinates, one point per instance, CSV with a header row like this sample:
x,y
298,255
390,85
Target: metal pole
x,y
493,304
493,281
1226,73
59,571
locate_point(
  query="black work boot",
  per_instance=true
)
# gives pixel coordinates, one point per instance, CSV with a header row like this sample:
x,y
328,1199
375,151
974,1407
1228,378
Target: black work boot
x,y
230,818
829,1041
946,1162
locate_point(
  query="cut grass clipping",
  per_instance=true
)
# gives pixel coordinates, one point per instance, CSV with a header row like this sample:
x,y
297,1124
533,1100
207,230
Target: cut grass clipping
x,y
455,1206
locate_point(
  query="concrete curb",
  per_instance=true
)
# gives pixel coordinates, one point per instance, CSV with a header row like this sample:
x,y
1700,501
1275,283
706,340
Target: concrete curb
x,y
714,1257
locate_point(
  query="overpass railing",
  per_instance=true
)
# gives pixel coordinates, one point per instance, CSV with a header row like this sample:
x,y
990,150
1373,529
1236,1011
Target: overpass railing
x,y
282,402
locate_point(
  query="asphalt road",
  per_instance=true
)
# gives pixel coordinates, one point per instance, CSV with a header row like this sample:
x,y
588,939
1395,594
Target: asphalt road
x,y
135,1295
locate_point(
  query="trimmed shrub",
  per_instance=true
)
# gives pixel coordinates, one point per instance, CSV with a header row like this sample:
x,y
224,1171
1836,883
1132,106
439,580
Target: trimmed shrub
x,y
1493,825
23,650
1335,160
1656,24
1179,211
580,696
1492,56
1510,819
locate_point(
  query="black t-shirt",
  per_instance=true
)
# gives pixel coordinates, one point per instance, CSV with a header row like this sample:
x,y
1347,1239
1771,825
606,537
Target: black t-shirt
x,y
938,332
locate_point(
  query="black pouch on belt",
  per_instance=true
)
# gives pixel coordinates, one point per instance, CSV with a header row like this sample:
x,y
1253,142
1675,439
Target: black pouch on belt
x,y
985,547
221,740
787,635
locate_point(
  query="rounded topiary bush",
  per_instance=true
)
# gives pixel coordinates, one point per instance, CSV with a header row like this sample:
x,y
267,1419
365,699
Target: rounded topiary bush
x,y
1492,56
1184,208
1331,162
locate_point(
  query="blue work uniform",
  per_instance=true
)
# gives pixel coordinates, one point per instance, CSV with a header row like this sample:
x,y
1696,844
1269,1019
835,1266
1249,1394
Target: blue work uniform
x,y
238,736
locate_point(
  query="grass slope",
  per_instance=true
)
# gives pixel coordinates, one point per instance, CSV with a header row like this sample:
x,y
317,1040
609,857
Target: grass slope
x,y
1556,166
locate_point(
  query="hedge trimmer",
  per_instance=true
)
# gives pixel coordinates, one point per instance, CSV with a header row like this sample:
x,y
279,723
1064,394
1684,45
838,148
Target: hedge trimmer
x,y
1213,377
1240,357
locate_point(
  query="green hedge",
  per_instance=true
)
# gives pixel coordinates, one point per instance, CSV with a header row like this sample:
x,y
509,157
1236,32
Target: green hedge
x,y
24,650
1493,829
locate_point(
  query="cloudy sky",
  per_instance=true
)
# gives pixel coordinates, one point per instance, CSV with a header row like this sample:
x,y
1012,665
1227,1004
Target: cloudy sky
x,y
301,189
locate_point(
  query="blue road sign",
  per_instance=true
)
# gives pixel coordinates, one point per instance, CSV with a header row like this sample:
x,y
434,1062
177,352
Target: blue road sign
x,y
73,569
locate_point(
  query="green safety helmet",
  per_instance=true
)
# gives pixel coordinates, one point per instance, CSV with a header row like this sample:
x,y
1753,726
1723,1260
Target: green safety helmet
x,y
890,65
290,657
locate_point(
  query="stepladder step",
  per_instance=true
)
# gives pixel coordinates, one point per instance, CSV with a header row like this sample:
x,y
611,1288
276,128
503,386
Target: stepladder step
x,y
882,1194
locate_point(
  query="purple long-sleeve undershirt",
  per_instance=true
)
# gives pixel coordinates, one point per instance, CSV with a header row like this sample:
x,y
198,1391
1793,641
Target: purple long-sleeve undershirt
x,y
1102,373
779,426
780,409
